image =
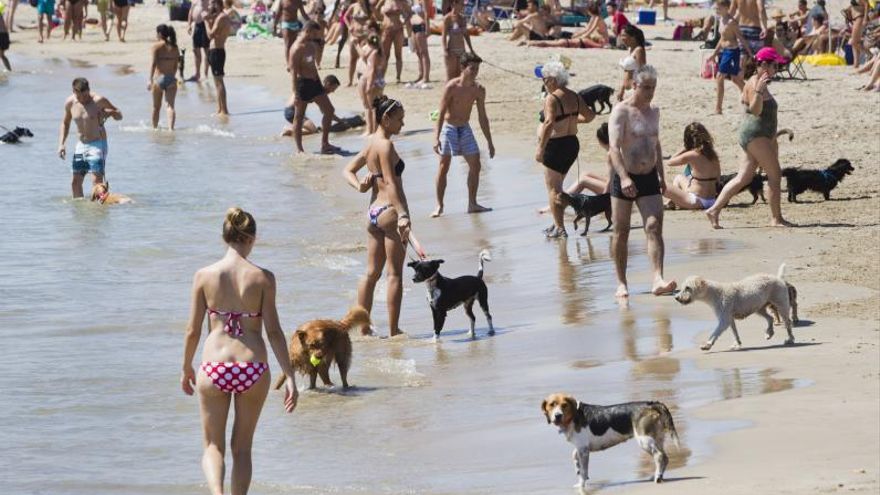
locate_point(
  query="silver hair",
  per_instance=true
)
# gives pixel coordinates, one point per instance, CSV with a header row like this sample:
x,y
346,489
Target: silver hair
x,y
645,73
557,71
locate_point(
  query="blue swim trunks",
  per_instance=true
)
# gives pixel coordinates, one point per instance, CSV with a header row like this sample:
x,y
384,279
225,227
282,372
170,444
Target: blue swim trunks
x,y
90,157
728,63
291,25
458,141
46,7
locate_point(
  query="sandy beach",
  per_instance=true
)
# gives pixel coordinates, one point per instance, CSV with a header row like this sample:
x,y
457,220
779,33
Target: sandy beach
x,y
822,437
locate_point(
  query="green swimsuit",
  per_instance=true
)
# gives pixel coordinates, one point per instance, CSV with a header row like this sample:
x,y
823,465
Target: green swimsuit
x,y
763,125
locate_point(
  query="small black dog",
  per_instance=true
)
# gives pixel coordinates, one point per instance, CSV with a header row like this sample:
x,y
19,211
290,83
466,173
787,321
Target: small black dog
x,y
823,181
445,294
597,94
181,61
756,187
586,206
14,136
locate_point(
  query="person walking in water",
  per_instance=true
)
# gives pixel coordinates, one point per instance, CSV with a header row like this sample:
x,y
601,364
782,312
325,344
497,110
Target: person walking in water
x,y
238,298
88,111
219,28
307,86
388,221
636,157
453,135
163,81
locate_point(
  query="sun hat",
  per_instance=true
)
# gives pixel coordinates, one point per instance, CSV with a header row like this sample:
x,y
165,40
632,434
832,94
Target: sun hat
x,y
769,54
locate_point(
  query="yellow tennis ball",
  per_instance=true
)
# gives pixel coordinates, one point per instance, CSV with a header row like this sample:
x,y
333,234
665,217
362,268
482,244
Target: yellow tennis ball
x,y
315,360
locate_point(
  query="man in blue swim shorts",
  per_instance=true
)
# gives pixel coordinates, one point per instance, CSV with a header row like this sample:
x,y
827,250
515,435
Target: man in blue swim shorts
x,y
88,111
727,52
453,135
45,11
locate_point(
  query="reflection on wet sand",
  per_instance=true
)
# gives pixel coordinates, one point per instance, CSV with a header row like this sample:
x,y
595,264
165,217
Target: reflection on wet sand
x,y
736,382
660,372
577,302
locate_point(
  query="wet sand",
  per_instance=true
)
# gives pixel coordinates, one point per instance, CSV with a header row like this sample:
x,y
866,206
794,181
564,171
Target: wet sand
x,y
821,436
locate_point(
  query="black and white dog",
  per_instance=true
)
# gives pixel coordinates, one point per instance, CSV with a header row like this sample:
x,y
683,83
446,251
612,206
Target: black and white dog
x,y
600,94
14,136
586,206
445,294
593,428
756,187
822,181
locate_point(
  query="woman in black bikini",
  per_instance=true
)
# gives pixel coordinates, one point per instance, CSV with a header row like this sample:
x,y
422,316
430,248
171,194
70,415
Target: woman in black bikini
x,y
120,10
558,144
697,188
858,9
419,43
388,225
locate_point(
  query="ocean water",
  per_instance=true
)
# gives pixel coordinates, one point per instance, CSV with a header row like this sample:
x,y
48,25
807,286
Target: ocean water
x,y
94,300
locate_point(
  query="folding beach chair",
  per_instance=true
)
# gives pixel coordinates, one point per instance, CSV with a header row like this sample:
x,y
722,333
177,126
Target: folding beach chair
x,y
792,71
505,13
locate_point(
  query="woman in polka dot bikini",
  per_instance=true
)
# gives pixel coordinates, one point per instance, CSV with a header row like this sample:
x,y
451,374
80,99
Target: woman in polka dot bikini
x,y
234,358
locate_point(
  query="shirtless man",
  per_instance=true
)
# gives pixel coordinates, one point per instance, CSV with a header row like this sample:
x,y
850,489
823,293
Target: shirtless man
x,y
307,86
88,111
638,177
288,13
219,28
453,135
195,26
752,19
727,52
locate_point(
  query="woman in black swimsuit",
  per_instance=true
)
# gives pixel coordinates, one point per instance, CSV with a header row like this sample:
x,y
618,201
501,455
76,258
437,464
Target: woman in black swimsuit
x,y
120,10
388,226
558,144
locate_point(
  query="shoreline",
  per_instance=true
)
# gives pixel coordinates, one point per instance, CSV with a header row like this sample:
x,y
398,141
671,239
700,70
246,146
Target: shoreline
x,y
778,424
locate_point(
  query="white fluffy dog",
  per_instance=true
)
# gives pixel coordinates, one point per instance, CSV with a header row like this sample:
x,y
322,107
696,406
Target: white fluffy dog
x,y
737,300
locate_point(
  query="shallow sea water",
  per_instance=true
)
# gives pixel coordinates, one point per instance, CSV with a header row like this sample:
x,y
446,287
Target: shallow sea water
x,y
93,302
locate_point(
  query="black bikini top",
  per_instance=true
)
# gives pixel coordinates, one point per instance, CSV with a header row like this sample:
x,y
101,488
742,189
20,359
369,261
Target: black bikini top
x,y
398,169
562,109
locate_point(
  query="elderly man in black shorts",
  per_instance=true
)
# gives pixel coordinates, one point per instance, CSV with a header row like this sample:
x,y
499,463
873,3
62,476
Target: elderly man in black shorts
x,y
638,178
307,86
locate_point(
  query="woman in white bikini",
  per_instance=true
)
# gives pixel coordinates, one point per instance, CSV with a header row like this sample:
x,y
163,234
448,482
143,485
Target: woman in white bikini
x,y
634,39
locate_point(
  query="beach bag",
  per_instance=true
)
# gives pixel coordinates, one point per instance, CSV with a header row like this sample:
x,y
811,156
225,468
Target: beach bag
x,y
709,68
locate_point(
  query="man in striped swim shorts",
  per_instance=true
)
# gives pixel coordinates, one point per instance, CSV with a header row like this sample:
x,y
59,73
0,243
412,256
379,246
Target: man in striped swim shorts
x,y
453,135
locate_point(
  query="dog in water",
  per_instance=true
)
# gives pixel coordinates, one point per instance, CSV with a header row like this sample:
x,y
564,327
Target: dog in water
x,y
101,193
593,428
600,94
445,294
737,300
14,136
318,343
755,187
586,207
821,181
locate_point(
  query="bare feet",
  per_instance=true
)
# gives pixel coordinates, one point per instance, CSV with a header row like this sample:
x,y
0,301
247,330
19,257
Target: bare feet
x,y
622,292
477,208
329,149
662,287
437,211
556,233
713,219
780,223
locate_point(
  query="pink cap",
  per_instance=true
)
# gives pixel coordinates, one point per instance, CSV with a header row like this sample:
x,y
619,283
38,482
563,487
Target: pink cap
x,y
769,54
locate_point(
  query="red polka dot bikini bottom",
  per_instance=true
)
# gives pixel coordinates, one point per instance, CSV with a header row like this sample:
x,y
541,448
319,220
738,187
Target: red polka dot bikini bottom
x,y
234,377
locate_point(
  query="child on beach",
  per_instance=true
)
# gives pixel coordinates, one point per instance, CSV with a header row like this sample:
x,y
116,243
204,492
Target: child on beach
x,y
45,11
727,52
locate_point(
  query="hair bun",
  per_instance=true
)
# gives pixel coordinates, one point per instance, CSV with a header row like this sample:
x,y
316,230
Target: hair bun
x,y
239,225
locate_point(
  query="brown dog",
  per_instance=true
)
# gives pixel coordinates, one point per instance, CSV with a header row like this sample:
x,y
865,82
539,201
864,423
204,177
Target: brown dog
x,y
317,343
101,193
